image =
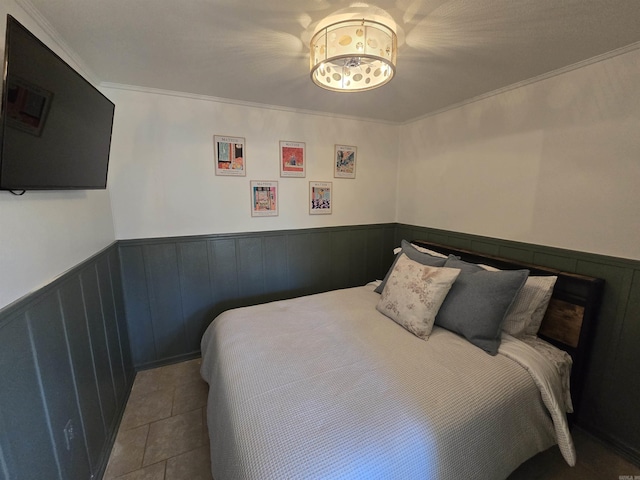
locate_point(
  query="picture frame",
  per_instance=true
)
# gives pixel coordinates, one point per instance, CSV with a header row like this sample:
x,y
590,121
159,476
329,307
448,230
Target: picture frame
x,y
344,161
264,198
293,162
230,155
320,198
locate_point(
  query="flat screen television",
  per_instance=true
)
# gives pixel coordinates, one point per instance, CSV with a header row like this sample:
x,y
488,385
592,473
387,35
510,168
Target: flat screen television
x,y
55,131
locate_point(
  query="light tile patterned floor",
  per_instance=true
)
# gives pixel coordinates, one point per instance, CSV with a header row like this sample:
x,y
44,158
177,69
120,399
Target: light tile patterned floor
x,y
163,433
163,436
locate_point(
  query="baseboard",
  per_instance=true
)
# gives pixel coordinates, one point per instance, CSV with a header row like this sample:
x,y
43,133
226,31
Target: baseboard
x,y
620,448
111,437
168,361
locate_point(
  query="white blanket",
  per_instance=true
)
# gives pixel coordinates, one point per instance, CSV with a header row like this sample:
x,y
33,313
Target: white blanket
x,y
549,381
325,386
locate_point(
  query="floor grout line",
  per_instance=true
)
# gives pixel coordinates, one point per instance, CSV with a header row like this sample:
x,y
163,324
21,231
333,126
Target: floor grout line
x,y
154,387
146,442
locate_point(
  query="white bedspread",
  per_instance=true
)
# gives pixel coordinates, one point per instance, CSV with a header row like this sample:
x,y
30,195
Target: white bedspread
x,y
326,387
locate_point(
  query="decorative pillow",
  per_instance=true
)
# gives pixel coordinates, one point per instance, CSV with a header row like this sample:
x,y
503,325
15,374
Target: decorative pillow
x,y
416,256
528,309
433,253
413,294
546,288
478,303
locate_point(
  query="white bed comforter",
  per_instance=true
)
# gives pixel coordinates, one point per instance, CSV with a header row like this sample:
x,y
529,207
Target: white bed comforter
x,y
325,386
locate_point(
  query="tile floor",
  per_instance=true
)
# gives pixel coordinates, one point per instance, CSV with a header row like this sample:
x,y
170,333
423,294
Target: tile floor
x,y
163,436
163,433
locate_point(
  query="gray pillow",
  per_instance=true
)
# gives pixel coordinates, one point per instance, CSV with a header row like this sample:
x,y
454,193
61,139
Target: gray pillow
x,y
416,256
478,302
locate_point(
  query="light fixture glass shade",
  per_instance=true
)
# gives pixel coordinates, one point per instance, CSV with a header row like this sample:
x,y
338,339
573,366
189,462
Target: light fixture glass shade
x,y
353,55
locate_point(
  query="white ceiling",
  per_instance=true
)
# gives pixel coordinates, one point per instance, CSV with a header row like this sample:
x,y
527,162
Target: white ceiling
x,y
256,51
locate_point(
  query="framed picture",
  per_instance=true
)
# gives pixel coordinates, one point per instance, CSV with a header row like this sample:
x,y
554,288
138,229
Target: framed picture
x,y
320,198
344,165
230,155
264,198
292,159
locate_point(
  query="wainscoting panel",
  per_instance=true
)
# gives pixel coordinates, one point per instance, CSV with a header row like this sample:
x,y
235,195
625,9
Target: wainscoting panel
x,y
251,274
628,354
161,267
118,304
77,331
98,342
195,289
175,287
299,252
22,408
612,389
4,472
49,345
114,350
223,268
65,373
276,277
136,298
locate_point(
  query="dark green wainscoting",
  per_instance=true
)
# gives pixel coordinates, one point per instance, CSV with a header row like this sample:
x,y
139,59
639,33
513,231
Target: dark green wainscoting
x,y
65,363
65,351
611,398
175,287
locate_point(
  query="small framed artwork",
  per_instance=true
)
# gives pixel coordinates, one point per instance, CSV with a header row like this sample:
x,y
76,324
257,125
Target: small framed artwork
x,y
230,155
292,159
344,165
264,198
320,198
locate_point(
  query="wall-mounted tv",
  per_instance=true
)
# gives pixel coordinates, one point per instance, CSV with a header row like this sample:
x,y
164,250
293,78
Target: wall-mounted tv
x,y
55,127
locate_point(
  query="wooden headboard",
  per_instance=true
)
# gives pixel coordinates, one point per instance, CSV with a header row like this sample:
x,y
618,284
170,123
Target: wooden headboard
x,y
572,313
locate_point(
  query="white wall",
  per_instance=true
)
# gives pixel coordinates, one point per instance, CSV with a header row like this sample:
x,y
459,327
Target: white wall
x,y
556,163
162,176
44,234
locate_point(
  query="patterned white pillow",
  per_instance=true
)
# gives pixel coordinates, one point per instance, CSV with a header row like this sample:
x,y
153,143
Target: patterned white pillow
x,y
414,293
528,308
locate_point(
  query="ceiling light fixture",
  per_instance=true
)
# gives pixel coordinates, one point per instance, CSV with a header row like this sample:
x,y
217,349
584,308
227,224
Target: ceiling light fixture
x,y
353,55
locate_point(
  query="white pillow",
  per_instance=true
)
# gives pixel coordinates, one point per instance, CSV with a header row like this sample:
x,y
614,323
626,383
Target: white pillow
x,y
433,253
414,293
528,308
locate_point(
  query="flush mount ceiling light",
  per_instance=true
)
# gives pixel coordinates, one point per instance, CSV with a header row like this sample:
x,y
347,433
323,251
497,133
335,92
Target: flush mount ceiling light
x,y
353,55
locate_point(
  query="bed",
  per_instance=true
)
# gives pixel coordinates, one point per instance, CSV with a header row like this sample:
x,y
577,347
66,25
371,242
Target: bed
x,y
328,386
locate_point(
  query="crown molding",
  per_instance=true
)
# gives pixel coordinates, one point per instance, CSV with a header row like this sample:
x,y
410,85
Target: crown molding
x,y
43,23
529,81
240,103
90,75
